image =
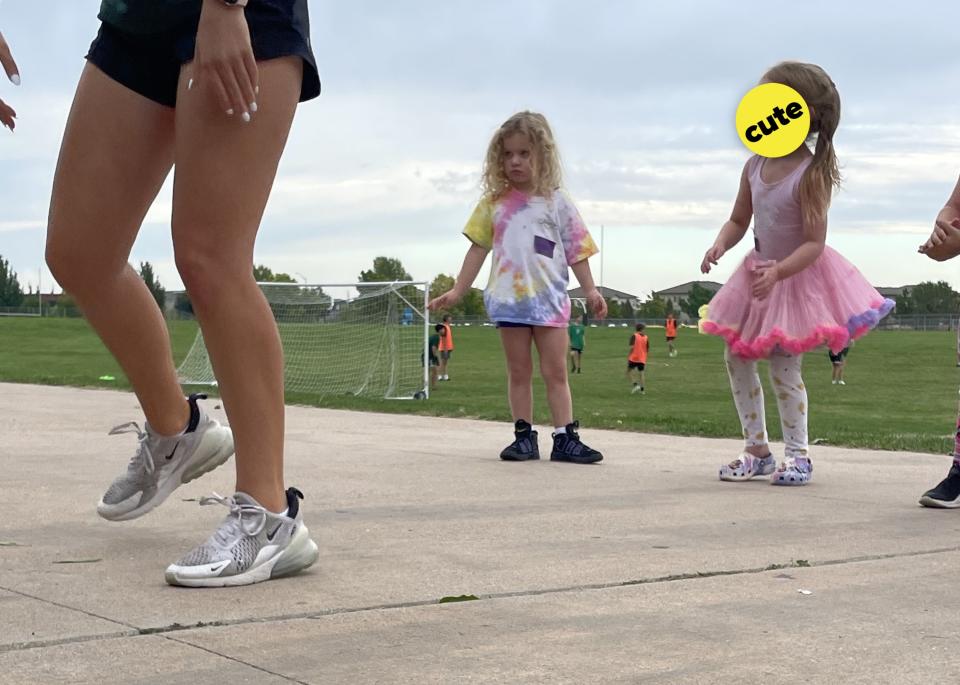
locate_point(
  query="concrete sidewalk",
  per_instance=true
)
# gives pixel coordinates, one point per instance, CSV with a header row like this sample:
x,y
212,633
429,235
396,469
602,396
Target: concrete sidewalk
x,y
645,569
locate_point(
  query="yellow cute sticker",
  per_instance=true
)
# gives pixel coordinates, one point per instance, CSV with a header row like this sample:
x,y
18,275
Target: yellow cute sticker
x,y
773,120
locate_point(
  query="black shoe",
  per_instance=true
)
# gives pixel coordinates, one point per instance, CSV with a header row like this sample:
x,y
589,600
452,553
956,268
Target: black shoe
x,y
524,447
947,493
567,447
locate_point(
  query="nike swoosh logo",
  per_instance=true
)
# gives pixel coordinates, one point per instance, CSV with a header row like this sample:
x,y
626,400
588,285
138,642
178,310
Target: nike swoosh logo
x,y
222,566
273,534
170,456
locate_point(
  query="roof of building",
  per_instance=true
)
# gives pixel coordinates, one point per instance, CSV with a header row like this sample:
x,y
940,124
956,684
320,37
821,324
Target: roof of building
x,y
608,293
893,292
685,288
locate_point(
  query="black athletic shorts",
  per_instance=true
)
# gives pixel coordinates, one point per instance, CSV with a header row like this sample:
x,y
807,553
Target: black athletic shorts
x,y
577,349
149,64
839,356
511,324
639,366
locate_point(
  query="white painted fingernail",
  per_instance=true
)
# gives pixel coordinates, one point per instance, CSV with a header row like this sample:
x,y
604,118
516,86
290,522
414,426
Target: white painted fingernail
x,y
253,107
15,78
229,112
256,89
246,117
190,84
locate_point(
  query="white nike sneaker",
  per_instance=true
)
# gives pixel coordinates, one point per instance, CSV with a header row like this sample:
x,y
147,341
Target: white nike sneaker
x,y
250,546
162,464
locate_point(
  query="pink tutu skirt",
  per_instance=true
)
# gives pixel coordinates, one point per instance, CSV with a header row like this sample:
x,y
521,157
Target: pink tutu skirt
x,y
828,303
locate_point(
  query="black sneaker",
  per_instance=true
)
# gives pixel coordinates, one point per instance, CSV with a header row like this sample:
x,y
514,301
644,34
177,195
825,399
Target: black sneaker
x,y
567,447
524,446
947,493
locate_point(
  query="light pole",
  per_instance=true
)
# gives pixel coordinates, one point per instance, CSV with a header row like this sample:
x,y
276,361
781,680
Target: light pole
x,y
601,258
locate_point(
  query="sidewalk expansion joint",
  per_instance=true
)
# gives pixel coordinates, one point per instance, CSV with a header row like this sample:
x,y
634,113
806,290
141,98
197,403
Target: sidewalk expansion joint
x,y
168,630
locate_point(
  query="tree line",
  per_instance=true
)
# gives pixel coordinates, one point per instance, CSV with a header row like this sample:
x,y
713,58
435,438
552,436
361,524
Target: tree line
x,y
928,297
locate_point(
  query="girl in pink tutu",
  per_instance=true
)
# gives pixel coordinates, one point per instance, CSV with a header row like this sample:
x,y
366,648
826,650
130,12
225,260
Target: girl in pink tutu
x,y
792,293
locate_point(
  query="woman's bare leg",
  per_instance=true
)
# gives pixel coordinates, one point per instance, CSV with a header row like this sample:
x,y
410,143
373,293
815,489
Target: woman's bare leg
x,y
117,150
225,170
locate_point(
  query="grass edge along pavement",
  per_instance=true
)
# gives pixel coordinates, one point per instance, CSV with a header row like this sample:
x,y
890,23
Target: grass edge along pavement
x,y
901,392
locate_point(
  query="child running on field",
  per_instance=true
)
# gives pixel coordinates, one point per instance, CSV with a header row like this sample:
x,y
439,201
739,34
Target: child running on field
x,y
670,327
792,293
637,359
576,332
446,348
536,235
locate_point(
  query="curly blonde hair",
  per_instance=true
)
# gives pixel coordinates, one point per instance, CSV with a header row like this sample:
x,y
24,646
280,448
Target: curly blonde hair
x,y
547,175
820,94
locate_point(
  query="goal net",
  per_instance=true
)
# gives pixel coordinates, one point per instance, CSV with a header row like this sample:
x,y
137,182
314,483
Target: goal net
x,y
370,342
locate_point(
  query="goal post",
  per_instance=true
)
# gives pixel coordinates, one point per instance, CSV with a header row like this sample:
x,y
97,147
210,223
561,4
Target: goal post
x,y
373,342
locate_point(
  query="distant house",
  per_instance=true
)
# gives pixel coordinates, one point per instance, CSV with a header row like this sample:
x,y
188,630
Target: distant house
x,y
681,292
170,301
894,293
609,294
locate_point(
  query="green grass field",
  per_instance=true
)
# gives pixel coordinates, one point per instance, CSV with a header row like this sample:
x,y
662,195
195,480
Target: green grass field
x,y
901,392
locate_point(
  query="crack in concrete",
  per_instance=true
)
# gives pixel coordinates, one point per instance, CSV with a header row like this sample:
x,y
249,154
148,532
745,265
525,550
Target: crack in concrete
x,y
165,631
235,660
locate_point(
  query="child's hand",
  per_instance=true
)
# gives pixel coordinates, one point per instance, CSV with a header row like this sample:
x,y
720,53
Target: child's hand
x,y
446,301
598,306
712,256
7,115
764,278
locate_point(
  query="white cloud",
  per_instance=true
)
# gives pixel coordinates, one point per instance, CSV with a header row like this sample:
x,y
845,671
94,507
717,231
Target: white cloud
x,y
640,95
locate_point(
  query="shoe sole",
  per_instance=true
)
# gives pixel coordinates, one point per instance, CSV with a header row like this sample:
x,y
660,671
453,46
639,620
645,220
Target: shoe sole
x,y
574,460
788,483
511,457
300,554
940,503
188,471
739,479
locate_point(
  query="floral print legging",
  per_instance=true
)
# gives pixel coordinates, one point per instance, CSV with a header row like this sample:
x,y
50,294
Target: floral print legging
x,y
791,399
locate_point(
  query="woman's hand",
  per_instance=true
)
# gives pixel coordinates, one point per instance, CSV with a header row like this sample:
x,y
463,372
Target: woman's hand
x,y
944,242
596,303
765,276
712,256
223,59
8,117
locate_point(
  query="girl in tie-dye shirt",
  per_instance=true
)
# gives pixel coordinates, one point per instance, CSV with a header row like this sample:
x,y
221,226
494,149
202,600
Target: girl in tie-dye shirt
x,y
536,235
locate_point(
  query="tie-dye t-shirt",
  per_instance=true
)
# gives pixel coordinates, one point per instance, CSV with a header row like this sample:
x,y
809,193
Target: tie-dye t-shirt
x,y
534,242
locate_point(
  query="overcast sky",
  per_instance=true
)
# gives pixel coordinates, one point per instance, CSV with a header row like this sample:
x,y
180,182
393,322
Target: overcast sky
x,y
641,96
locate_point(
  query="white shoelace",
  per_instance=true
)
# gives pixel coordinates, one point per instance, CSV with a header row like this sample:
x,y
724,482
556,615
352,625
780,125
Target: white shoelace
x,y
144,457
229,529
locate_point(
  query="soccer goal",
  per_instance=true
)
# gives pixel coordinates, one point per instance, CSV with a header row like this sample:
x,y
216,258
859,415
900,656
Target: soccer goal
x,y
371,342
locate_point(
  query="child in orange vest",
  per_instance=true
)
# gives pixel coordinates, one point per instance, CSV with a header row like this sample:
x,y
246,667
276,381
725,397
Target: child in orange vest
x,y
446,348
671,327
637,361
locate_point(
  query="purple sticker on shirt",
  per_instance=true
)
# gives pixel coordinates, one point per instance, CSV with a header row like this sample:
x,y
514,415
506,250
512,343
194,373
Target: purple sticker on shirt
x,y
543,246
